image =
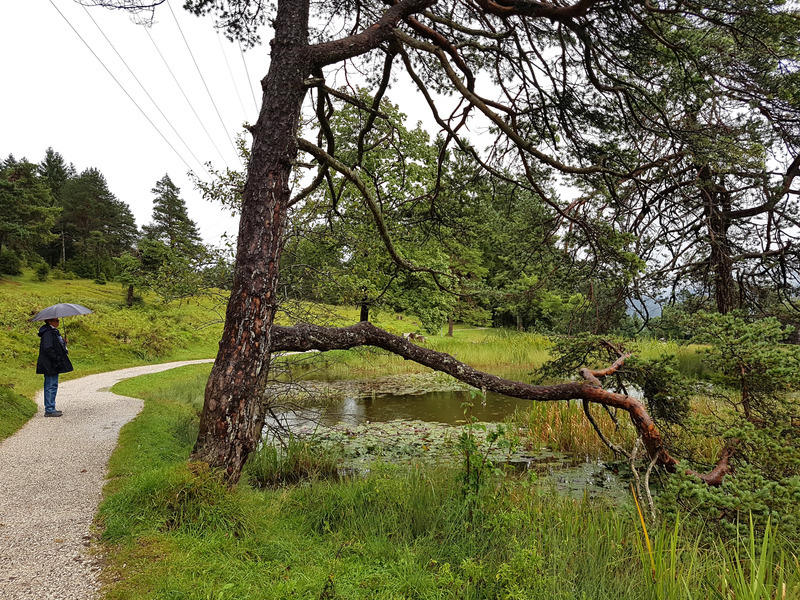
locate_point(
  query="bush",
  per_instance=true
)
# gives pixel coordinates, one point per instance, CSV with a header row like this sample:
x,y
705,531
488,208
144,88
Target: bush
x,y
757,380
101,279
60,273
42,271
10,263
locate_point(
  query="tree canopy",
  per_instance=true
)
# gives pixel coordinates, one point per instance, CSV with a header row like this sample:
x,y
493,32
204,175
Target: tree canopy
x,y
601,98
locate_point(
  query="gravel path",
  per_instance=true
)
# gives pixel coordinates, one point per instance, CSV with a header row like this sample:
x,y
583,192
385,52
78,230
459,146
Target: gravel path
x,y
51,475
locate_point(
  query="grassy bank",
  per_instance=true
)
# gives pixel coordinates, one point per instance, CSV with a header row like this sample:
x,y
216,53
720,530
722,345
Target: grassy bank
x,y
501,352
173,531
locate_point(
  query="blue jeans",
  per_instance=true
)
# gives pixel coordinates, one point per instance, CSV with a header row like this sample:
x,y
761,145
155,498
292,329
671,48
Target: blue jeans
x,y
50,389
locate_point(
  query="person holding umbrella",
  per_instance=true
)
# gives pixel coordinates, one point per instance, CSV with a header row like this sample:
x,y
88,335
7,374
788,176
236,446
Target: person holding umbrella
x,y
53,354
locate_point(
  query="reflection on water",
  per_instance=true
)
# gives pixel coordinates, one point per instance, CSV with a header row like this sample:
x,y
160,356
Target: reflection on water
x,y
433,407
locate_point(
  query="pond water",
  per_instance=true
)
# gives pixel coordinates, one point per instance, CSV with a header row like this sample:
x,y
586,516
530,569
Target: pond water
x,y
434,407
395,420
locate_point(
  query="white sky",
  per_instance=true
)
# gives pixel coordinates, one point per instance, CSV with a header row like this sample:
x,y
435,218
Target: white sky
x,y
55,93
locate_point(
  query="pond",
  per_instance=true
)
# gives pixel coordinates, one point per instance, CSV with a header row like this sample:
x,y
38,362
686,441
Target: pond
x,y
435,407
419,418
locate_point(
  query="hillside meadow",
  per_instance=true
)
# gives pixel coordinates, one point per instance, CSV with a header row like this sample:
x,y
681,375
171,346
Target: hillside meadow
x,y
115,336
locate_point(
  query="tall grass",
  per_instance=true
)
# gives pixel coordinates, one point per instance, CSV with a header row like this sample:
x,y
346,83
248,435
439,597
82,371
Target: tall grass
x,y
400,532
689,356
759,571
272,466
498,351
562,426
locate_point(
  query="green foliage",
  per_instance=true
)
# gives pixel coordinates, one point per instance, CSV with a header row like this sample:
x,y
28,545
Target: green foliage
x,y
26,209
94,224
42,271
478,466
750,357
756,413
663,386
10,263
171,224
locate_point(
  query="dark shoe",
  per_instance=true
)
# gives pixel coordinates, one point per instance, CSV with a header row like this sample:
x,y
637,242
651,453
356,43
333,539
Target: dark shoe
x,y
55,413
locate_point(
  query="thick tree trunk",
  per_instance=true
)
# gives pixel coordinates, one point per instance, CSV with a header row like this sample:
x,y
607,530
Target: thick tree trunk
x,y
234,409
129,296
364,311
450,326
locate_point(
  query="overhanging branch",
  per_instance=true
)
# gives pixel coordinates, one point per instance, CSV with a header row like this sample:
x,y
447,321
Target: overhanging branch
x,y
303,337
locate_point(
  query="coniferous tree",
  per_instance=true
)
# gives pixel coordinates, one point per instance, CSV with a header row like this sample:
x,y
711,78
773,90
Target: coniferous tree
x,y
95,221
171,223
26,209
55,172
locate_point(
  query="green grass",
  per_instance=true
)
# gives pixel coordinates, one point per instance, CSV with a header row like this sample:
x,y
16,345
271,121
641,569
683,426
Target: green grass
x,y
113,337
173,531
499,351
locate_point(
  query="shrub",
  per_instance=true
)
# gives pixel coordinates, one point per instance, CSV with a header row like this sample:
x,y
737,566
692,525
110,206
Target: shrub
x,y
756,413
10,263
42,271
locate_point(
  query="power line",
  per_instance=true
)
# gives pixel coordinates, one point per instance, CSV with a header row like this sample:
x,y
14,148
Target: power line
x,y
144,89
85,43
249,80
185,97
233,80
205,85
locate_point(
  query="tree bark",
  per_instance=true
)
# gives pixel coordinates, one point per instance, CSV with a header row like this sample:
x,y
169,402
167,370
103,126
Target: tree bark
x,y
235,403
129,296
364,311
450,326
234,410
717,207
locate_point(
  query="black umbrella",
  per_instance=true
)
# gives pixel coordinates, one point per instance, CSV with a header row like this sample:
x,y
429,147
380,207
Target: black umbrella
x,y
65,309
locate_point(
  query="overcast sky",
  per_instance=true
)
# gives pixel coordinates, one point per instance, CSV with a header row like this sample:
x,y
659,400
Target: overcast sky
x,y
56,93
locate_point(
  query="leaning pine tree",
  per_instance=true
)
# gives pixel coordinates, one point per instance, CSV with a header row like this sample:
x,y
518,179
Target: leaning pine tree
x,y
568,90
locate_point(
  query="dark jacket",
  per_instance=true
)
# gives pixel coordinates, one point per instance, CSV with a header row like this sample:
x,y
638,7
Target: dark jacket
x,y
53,357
